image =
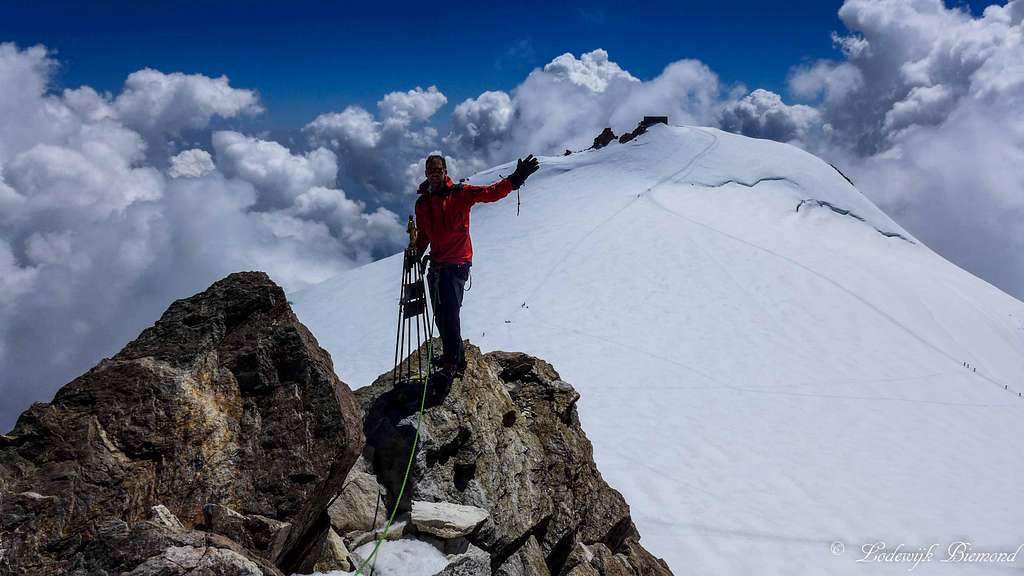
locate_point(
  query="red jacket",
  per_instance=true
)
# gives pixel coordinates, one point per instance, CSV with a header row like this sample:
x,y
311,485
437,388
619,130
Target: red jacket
x,y
442,218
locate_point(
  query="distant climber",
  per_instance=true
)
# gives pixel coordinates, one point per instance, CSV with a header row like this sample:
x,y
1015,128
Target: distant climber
x,y
442,219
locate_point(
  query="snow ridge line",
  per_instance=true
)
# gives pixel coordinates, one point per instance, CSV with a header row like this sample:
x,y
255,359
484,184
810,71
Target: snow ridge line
x,y
852,214
849,292
754,183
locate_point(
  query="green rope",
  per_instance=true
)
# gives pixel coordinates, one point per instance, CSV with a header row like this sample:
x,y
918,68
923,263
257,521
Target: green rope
x,y
415,441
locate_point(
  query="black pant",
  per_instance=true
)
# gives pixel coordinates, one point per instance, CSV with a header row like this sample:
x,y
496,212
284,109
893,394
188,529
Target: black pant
x,y
447,283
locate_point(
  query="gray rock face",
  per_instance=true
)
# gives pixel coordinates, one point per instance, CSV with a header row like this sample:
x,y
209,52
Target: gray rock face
x,y
227,400
332,554
151,549
472,562
527,561
504,438
257,533
354,510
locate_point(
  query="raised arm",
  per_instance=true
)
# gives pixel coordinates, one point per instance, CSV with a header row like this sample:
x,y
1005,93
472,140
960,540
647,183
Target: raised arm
x,y
491,193
502,187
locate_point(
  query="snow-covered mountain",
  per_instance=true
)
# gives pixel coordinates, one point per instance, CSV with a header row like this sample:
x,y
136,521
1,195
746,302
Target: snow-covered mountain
x,y
768,363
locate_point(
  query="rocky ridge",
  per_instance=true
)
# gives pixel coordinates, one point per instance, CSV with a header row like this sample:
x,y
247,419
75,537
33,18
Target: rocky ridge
x,y
501,449
220,442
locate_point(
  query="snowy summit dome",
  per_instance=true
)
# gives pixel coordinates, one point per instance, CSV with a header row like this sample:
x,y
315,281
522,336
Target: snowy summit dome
x,y
767,362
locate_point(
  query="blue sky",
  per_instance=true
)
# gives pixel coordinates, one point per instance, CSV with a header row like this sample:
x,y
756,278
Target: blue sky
x,y
306,57
309,57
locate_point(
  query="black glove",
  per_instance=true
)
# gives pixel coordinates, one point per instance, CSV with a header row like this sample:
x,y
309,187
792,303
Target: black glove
x,y
523,170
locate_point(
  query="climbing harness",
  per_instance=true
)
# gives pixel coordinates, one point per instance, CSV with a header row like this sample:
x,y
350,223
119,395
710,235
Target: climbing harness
x,y
412,311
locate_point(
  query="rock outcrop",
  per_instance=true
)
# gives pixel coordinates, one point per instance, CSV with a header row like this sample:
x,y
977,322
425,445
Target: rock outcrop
x,y
603,139
642,127
505,438
225,416
220,442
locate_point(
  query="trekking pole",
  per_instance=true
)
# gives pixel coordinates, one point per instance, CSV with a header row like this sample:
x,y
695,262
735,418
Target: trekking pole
x,y
412,307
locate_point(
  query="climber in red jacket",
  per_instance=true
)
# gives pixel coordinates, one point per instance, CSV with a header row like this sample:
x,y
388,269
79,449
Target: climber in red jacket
x,y
442,222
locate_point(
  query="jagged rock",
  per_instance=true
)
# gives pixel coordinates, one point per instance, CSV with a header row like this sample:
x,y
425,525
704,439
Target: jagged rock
x,y
354,509
257,533
642,127
151,549
396,531
582,570
159,514
472,562
445,519
505,438
331,554
603,139
598,560
205,560
226,400
527,561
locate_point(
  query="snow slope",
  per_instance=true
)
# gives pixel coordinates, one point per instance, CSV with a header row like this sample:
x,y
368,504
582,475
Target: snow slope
x,y
758,381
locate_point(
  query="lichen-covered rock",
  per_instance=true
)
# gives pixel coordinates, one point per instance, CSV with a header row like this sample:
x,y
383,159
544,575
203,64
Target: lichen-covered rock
x,y
226,400
505,438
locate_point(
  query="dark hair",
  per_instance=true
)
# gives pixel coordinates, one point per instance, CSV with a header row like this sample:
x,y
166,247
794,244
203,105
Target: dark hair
x,y
438,157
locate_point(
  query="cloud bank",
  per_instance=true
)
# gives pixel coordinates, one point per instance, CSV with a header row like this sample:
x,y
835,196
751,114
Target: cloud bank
x,y
926,112
95,241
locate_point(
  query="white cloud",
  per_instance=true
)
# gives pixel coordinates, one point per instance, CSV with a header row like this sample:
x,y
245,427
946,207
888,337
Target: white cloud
x,y
686,91
352,126
593,70
92,173
830,80
154,102
95,240
361,232
191,164
926,113
478,122
924,105
762,114
568,102
278,174
374,153
416,105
